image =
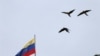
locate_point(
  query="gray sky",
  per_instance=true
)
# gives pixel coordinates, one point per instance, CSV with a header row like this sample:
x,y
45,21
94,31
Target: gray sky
x,y
21,19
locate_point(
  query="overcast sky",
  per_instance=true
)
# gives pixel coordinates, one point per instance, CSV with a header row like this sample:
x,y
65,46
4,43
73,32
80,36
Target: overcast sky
x,y
21,19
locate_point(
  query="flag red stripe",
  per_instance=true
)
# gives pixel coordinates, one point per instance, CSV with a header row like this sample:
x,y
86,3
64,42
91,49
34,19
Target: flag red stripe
x,y
28,53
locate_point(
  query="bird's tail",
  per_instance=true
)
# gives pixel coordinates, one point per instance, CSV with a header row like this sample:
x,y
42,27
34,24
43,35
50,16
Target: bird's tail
x,y
86,14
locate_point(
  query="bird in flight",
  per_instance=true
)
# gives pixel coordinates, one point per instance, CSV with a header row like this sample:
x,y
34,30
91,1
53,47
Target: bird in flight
x,y
69,12
84,12
64,29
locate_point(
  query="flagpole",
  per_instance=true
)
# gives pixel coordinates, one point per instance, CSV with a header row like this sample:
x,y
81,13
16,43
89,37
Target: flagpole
x,y
35,43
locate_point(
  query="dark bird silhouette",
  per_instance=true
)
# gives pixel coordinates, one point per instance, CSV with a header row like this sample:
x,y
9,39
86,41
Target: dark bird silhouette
x,y
64,29
69,12
84,12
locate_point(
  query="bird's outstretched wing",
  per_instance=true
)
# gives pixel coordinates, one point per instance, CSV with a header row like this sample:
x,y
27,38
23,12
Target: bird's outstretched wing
x,y
80,13
64,29
72,11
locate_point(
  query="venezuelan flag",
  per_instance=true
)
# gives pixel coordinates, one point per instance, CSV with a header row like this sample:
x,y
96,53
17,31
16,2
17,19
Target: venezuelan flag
x,y
28,49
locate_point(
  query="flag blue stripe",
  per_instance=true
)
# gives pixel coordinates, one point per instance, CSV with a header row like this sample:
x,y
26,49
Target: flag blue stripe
x,y
24,50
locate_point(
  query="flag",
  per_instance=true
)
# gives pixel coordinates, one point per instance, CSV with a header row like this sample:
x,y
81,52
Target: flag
x,y
28,49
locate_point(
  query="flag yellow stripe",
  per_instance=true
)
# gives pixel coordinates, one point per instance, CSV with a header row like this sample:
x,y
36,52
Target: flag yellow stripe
x,y
29,42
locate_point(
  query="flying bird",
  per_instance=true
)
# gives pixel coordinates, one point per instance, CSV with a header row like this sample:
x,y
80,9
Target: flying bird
x,y
68,13
64,29
84,12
